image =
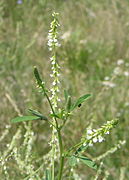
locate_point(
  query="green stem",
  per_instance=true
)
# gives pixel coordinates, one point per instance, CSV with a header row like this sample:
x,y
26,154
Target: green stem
x,y
61,155
54,127
51,109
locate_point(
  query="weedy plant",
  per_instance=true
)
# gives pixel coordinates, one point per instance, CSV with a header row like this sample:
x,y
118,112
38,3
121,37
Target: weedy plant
x,y
58,155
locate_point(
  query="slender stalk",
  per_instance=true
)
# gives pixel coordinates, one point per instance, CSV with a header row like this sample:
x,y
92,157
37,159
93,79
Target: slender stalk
x,y
54,127
60,145
61,155
52,109
53,43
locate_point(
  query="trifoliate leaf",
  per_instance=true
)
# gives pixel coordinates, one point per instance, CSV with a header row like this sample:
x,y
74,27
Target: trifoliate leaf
x,y
25,118
80,101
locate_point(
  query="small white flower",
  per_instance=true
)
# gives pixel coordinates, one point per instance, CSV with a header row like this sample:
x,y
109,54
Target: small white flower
x,y
55,131
49,43
100,138
94,130
53,93
109,84
49,34
71,169
55,105
54,40
127,64
58,74
88,137
84,144
120,61
117,71
90,144
53,62
54,83
54,71
108,122
58,81
57,44
50,40
95,139
58,90
106,78
126,73
52,58
89,131
107,132
7,126
50,49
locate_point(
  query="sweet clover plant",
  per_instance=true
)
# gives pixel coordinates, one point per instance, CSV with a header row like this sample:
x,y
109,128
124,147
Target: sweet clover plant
x,y
57,118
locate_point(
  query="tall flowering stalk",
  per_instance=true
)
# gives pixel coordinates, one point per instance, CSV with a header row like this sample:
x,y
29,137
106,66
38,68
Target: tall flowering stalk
x,y
53,44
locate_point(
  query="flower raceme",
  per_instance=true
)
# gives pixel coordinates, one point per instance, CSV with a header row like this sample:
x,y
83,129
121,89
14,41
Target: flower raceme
x,y
53,43
52,35
94,136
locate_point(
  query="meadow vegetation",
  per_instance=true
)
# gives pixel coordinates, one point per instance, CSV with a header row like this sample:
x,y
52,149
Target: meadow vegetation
x,y
94,59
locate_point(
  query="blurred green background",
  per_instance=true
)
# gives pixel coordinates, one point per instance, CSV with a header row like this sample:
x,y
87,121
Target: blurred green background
x,y
94,58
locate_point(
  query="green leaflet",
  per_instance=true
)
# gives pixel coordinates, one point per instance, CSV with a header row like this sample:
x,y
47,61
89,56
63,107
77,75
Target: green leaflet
x,y
72,161
88,162
67,100
80,101
66,95
36,113
41,84
54,115
37,76
68,105
25,118
58,114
